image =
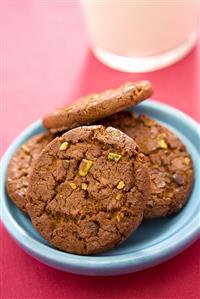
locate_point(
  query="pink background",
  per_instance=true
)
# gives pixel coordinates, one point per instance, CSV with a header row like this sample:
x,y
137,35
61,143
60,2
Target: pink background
x,y
47,63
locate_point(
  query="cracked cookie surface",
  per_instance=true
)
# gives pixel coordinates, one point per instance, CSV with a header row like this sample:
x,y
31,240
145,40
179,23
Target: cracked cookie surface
x,y
170,165
20,166
88,190
96,106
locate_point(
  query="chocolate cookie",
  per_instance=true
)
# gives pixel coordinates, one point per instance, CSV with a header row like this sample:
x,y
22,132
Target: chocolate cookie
x,y
170,165
96,106
88,190
20,166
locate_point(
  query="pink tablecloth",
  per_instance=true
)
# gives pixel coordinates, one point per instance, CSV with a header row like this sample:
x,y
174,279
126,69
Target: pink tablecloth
x,y
46,63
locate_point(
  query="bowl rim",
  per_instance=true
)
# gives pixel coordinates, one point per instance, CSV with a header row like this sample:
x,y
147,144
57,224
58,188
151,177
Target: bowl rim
x,y
141,259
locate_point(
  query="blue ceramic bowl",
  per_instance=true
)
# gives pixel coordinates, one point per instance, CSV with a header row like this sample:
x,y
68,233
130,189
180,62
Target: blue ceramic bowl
x,y
154,242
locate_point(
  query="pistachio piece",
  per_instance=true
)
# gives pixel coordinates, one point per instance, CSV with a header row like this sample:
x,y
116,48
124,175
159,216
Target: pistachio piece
x,y
64,146
69,108
114,157
72,185
161,142
149,122
118,196
25,148
186,161
119,217
90,97
84,186
121,185
115,133
85,167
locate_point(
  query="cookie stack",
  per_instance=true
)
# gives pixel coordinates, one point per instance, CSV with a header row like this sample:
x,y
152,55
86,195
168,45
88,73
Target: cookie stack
x,y
88,182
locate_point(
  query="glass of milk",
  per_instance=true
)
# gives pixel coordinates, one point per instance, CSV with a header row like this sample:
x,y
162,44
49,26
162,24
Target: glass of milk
x,y
141,36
